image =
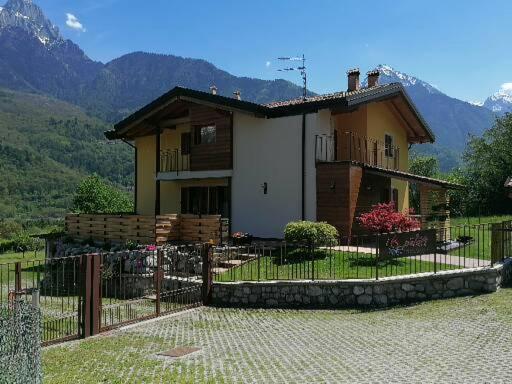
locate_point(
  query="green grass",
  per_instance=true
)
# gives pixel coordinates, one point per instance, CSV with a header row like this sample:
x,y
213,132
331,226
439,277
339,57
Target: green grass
x,y
479,228
327,265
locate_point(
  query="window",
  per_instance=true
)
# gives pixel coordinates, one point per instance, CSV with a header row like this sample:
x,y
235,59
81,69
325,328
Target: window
x,y
395,198
205,134
185,143
388,144
205,200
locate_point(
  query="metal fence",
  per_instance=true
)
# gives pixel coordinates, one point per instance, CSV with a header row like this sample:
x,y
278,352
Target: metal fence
x,y
82,295
20,344
366,256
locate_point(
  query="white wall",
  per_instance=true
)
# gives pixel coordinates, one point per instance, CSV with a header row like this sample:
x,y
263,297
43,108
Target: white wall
x,y
270,150
266,150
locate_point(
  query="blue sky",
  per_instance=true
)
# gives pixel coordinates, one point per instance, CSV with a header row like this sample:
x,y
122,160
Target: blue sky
x,y
462,47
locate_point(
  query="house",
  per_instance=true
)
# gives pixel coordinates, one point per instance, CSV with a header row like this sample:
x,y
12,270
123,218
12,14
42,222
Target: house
x,y
325,158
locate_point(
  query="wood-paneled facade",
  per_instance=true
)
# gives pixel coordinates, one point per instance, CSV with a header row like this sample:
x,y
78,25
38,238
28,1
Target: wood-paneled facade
x,y
214,156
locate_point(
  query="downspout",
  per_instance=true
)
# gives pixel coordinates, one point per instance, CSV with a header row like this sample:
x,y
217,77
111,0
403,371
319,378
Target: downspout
x,y
157,170
135,175
303,213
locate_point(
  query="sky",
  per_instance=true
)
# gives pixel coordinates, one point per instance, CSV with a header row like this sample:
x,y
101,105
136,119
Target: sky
x,y
461,47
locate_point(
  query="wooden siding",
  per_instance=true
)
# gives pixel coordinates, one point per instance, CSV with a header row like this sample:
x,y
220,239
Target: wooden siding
x,y
146,229
206,157
337,192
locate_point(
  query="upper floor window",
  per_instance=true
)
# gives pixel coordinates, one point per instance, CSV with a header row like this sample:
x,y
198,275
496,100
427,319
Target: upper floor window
x,y
205,134
388,145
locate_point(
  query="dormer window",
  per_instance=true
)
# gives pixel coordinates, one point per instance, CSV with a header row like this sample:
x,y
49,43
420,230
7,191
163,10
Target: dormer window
x,y
205,134
388,145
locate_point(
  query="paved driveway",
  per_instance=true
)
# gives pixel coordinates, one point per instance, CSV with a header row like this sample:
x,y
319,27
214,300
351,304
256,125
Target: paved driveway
x,y
463,340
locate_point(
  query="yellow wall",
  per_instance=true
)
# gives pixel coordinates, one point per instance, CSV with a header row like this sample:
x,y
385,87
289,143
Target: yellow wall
x,y
145,174
381,121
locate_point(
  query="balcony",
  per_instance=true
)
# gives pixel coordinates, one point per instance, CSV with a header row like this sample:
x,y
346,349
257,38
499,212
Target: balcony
x,y
173,160
351,147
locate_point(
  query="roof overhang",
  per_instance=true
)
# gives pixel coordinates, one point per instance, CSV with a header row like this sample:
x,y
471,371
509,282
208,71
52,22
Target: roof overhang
x,y
146,120
431,182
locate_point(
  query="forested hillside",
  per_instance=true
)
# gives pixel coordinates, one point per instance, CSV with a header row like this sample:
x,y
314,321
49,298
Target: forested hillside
x,y
46,147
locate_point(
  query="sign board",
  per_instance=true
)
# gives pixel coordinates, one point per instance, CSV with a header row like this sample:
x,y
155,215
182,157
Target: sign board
x,y
395,245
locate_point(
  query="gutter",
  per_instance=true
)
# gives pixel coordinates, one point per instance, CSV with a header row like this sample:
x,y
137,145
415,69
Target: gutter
x,y
303,205
135,175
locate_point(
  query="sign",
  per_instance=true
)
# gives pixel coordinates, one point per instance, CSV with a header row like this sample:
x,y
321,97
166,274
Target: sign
x,y
403,244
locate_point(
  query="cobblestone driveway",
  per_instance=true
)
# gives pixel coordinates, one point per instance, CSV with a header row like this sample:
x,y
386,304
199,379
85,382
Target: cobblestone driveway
x,y
464,340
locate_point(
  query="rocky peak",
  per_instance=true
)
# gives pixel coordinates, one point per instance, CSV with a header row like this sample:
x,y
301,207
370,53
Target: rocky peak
x,y
29,17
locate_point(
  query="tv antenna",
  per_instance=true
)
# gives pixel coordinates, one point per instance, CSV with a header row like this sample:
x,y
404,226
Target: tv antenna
x,y
301,69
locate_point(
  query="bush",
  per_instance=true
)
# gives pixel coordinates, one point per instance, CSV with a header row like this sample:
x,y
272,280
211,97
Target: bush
x,y
93,195
311,233
383,218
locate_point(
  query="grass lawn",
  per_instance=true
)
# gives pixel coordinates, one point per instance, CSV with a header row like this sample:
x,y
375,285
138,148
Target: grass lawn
x,y
328,265
479,229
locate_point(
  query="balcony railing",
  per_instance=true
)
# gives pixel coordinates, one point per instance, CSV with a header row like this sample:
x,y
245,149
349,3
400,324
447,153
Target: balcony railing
x,y
351,147
173,160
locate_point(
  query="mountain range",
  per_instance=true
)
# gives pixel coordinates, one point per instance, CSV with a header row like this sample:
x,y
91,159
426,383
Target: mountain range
x,y
38,66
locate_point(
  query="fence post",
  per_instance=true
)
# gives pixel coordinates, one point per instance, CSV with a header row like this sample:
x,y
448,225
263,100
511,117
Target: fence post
x,y
158,280
96,293
85,295
17,278
207,274
377,258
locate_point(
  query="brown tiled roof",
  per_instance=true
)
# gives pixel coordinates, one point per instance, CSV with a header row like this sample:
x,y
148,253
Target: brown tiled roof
x,y
327,96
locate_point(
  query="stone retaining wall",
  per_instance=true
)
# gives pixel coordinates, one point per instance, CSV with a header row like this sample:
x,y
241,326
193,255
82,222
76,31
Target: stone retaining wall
x,y
366,293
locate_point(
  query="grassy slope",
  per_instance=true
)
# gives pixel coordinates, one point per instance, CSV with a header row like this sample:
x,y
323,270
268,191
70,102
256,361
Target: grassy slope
x,y
46,148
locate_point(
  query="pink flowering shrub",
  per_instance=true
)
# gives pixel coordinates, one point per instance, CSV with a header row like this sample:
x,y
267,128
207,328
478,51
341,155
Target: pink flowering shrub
x,y
384,218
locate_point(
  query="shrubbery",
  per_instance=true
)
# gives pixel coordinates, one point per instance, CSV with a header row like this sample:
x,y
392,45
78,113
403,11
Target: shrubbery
x,y
311,233
384,218
94,195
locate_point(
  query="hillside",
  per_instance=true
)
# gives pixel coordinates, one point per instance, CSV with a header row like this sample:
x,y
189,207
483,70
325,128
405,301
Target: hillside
x,y
46,147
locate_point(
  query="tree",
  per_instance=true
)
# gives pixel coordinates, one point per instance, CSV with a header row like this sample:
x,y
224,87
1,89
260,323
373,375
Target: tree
x,y
488,163
94,195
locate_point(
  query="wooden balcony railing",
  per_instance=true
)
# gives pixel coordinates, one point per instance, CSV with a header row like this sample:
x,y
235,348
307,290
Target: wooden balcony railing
x,y
173,160
351,147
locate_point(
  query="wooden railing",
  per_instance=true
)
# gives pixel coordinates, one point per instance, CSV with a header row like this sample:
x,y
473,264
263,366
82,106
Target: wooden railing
x,y
145,229
351,147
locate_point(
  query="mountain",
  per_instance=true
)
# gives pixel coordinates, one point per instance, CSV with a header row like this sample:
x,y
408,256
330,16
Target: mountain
x,y
132,80
46,147
452,120
34,57
501,101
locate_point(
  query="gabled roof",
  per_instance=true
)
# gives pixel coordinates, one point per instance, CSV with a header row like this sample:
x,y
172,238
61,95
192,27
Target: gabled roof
x,y
341,100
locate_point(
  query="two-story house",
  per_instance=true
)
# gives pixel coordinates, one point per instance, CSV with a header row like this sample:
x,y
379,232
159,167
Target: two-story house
x,y
324,158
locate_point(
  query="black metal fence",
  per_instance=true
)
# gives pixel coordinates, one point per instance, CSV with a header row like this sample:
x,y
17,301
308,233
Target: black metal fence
x,y
366,256
85,294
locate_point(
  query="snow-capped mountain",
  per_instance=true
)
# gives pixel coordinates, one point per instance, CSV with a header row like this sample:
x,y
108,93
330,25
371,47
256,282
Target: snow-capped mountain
x,y
391,75
501,102
24,14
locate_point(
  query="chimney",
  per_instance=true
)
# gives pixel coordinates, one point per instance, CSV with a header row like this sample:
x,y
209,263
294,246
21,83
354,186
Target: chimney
x,y
238,95
373,78
213,90
353,79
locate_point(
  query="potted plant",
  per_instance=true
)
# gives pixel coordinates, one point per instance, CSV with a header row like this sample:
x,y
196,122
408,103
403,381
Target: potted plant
x,y
241,238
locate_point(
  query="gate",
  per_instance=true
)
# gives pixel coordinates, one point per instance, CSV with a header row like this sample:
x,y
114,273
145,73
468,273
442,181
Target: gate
x,y
83,295
54,286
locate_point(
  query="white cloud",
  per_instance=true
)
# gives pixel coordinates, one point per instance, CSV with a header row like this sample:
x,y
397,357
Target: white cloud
x,y
73,23
506,88
267,64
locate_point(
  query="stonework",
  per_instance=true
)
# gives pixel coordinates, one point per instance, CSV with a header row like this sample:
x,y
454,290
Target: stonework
x,y
363,293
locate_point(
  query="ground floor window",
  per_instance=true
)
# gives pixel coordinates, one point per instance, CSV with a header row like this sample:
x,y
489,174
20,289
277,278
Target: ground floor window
x,y
205,200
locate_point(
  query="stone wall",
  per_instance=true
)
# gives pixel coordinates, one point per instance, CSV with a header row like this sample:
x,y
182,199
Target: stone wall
x,y
366,293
